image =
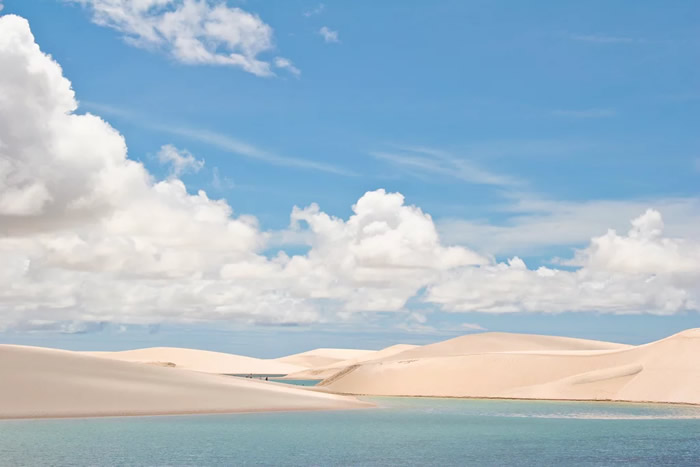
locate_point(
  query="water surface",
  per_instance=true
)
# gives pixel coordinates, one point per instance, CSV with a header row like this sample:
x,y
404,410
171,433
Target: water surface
x,y
298,382
403,431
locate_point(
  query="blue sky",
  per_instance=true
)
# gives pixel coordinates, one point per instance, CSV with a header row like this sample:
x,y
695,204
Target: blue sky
x,y
502,116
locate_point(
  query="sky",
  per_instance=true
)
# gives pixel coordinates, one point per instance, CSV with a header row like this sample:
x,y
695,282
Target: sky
x,y
269,177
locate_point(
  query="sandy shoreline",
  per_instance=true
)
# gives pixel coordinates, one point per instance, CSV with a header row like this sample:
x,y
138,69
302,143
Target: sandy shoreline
x,y
526,399
367,405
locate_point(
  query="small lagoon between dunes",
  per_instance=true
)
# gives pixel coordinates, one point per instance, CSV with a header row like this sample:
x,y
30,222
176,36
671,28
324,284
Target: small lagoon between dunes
x,y
401,431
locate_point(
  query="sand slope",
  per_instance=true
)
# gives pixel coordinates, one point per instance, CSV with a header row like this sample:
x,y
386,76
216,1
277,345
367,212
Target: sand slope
x,y
508,366
325,371
39,382
464,345
323,357
505,342
201,360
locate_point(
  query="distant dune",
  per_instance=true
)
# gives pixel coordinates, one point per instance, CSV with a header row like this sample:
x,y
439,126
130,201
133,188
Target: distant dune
x,y
506,342
325,371
323,357
201,360
538,367
37,382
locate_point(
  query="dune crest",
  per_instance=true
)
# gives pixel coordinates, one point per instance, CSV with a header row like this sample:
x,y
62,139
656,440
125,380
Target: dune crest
x,y
325,371
38,382
537,367
201,360
323,357
490,342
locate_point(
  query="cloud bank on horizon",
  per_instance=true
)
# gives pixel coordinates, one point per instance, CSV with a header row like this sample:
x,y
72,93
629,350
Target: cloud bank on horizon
x,y
89,235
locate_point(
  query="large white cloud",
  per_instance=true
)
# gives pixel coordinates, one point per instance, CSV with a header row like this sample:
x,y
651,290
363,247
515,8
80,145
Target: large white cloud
x,y
378,258
87,232
88,235
535,225
192,31
642,271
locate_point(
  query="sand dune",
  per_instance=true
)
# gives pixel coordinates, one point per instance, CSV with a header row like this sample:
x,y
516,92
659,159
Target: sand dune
x,y
202,360
519,366
505,342
465,345
323,357
325,371
39,382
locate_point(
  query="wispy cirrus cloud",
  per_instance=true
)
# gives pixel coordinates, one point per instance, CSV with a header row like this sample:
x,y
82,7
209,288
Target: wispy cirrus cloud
x,y
222,141
320,8
236,146
446,164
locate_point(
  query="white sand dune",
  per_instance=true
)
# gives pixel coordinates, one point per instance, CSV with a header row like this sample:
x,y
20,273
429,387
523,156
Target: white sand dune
x,y
323,357
325,371
37,382
505,342
520,366
465,345
202,360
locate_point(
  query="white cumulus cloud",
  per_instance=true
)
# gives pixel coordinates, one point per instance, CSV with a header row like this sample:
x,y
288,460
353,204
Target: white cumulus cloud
x,y
190,31
88,235
286,64
328,34
180,160
642,271
377,259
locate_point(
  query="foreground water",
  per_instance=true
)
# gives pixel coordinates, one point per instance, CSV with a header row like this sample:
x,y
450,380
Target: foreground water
x,y
403,431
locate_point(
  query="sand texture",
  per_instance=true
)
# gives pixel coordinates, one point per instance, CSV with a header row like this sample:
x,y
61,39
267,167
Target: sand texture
x,y
325,371
37,382
202,360
323,357
538,367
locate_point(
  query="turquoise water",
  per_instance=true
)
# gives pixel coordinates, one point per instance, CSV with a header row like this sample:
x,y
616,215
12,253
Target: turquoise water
x,y
298,382
402,432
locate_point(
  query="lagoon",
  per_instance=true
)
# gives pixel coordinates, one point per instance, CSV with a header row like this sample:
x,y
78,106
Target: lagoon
x,y
401,431
298,382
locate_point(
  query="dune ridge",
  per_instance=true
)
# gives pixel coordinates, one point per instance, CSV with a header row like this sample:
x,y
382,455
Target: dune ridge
x,y
490,342
325,371
323,357
501,365
39,382
202,360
